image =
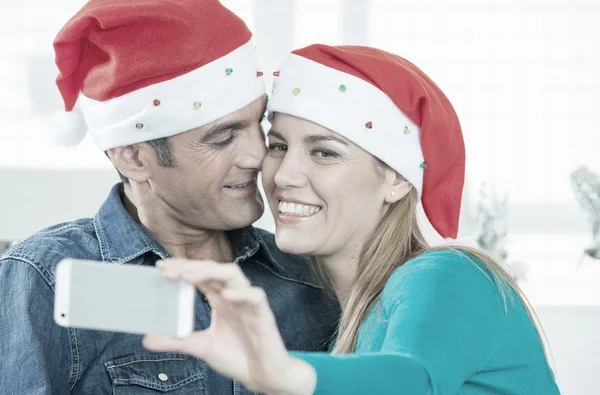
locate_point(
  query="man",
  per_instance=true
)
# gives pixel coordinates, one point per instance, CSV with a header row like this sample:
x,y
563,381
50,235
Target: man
x,y
170,91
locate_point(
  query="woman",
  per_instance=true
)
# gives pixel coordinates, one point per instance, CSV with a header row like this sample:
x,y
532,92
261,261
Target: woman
x,y
358,137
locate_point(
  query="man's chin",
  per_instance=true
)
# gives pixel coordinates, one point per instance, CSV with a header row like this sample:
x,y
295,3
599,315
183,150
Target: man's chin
x,y
245,215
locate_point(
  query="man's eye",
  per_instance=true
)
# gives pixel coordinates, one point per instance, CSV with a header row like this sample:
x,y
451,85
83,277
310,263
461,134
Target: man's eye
x,y
224,143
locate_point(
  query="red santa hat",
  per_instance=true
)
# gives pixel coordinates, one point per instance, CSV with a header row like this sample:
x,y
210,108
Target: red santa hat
x,y
133,71
390,108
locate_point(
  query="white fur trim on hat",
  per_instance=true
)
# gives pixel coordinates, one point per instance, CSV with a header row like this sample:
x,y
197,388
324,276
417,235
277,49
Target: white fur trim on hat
x,y
67,128
175,106
313,91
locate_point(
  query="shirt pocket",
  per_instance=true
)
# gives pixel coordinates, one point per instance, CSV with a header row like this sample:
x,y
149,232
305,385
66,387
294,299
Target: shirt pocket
x,y
172,373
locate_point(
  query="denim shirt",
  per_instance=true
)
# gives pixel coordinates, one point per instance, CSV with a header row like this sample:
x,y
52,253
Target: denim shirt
x,y
39,357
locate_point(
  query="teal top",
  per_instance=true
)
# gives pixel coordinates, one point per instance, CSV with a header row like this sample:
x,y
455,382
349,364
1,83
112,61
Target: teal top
x,y
440,328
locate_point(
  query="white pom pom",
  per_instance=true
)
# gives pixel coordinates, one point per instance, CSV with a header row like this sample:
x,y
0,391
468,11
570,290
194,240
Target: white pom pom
x,y
67,128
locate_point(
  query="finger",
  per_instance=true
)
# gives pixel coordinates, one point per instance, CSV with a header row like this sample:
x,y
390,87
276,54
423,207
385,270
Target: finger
x,y
178,263
254,296
199,272
176,268
228,273
194,344
163,343
161,263
213,297
172,268
195,268
170,274
204,286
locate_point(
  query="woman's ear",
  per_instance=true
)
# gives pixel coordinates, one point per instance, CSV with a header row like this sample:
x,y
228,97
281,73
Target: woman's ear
x,y
132,162
397,188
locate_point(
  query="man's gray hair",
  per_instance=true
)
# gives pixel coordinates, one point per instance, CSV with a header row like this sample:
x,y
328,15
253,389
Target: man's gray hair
x,y
164,154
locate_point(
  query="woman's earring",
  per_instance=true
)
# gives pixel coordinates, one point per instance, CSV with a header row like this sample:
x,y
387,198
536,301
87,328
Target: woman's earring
x,y
393,193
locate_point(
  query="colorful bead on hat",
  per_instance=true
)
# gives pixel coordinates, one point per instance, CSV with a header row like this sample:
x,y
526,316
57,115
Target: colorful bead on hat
x,y
116,58
390,108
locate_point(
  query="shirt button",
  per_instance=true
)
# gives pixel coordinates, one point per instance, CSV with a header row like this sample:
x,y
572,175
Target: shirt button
x,y
163,377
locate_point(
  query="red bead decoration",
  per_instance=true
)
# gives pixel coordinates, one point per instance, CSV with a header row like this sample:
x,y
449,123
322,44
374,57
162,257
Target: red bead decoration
x,y
259,73
369,125
276,73
156,102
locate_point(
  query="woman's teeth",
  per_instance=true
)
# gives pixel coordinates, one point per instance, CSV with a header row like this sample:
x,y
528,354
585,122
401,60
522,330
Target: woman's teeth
x,y
298,209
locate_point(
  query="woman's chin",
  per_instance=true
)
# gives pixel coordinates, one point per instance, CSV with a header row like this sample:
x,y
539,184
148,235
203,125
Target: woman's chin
x,y
292,243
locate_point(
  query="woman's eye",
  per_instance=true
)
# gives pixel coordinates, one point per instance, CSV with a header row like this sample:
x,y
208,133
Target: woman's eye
x,y
323,153
277,147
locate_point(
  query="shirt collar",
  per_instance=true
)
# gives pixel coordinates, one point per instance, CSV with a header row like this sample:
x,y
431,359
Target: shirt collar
x,y
122,239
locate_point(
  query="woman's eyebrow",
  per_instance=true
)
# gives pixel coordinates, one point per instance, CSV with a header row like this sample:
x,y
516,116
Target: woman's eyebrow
x,y
319,137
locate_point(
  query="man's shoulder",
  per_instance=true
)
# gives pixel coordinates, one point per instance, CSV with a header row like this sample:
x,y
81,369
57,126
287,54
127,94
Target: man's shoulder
x,y
291,266
46,248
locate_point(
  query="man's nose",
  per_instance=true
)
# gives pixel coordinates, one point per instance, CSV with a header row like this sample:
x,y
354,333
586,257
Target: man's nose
x,y
253,151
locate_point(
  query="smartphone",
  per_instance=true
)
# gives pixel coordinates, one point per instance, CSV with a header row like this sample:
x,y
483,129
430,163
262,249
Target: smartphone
x,y
122,298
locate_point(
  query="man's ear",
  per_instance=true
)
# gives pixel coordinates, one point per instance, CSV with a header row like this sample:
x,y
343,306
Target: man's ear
x,y
132,161
398,186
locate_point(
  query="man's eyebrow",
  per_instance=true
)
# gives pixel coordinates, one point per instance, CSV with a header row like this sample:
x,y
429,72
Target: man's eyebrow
x,y
223,127
226,126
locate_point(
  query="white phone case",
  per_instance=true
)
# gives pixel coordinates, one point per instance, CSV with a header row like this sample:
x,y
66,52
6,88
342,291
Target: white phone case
x,y
122,298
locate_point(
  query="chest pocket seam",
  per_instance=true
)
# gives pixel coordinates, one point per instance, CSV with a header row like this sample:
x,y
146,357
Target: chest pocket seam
x,y
150,384
121,375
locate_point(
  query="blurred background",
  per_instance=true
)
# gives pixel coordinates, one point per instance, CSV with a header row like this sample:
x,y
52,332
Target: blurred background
x,y
523,76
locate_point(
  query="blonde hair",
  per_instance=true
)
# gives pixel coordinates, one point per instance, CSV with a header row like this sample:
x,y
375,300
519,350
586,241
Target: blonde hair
x,y
395,240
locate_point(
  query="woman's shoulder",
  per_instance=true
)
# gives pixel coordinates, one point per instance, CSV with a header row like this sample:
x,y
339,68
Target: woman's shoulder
x,y
445,269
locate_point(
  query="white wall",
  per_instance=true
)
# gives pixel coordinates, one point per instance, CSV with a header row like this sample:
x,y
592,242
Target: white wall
x,y
34,199
573,335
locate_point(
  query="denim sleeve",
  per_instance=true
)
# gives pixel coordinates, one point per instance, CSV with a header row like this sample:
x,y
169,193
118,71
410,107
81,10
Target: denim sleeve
x,y
35,351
